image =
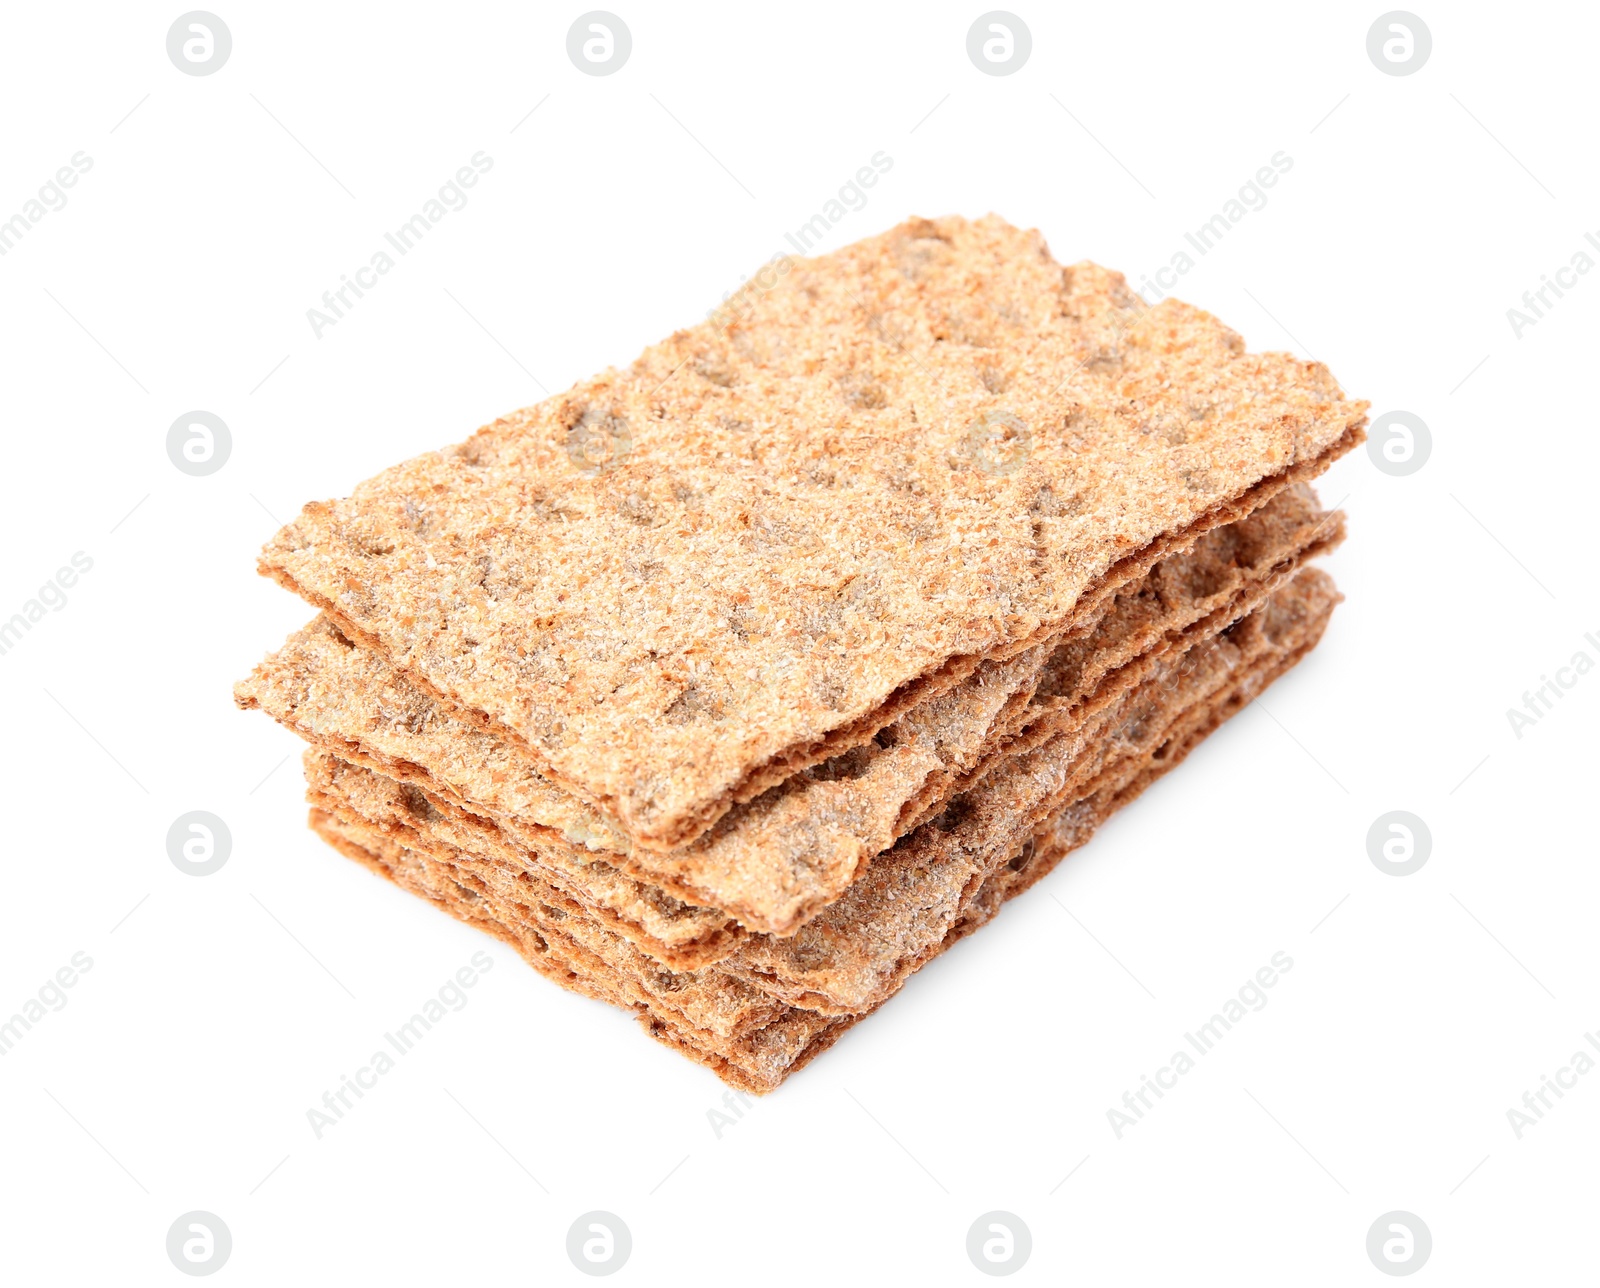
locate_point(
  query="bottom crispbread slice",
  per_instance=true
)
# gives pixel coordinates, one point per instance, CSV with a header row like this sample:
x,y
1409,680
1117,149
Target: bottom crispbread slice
x,y
768,1042
846,959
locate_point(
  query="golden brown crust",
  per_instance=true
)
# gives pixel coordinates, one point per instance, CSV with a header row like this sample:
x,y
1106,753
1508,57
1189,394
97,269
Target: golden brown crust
x,y
922,451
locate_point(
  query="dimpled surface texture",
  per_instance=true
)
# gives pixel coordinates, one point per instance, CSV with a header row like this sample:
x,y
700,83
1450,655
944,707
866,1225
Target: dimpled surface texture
x,y
924,446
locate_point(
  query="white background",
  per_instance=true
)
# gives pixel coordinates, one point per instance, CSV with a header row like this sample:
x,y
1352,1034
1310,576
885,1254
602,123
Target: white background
x,y
1419,1009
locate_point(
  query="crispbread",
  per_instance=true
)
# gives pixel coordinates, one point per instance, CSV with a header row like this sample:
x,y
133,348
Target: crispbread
x,y
678,585
348,700
1064,748
757,1056
835,963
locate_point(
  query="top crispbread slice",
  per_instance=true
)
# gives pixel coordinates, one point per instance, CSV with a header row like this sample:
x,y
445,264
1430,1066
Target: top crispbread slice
x,y
677,584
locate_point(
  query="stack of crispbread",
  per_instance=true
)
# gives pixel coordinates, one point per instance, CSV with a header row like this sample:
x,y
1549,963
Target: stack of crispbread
x,y
734,687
